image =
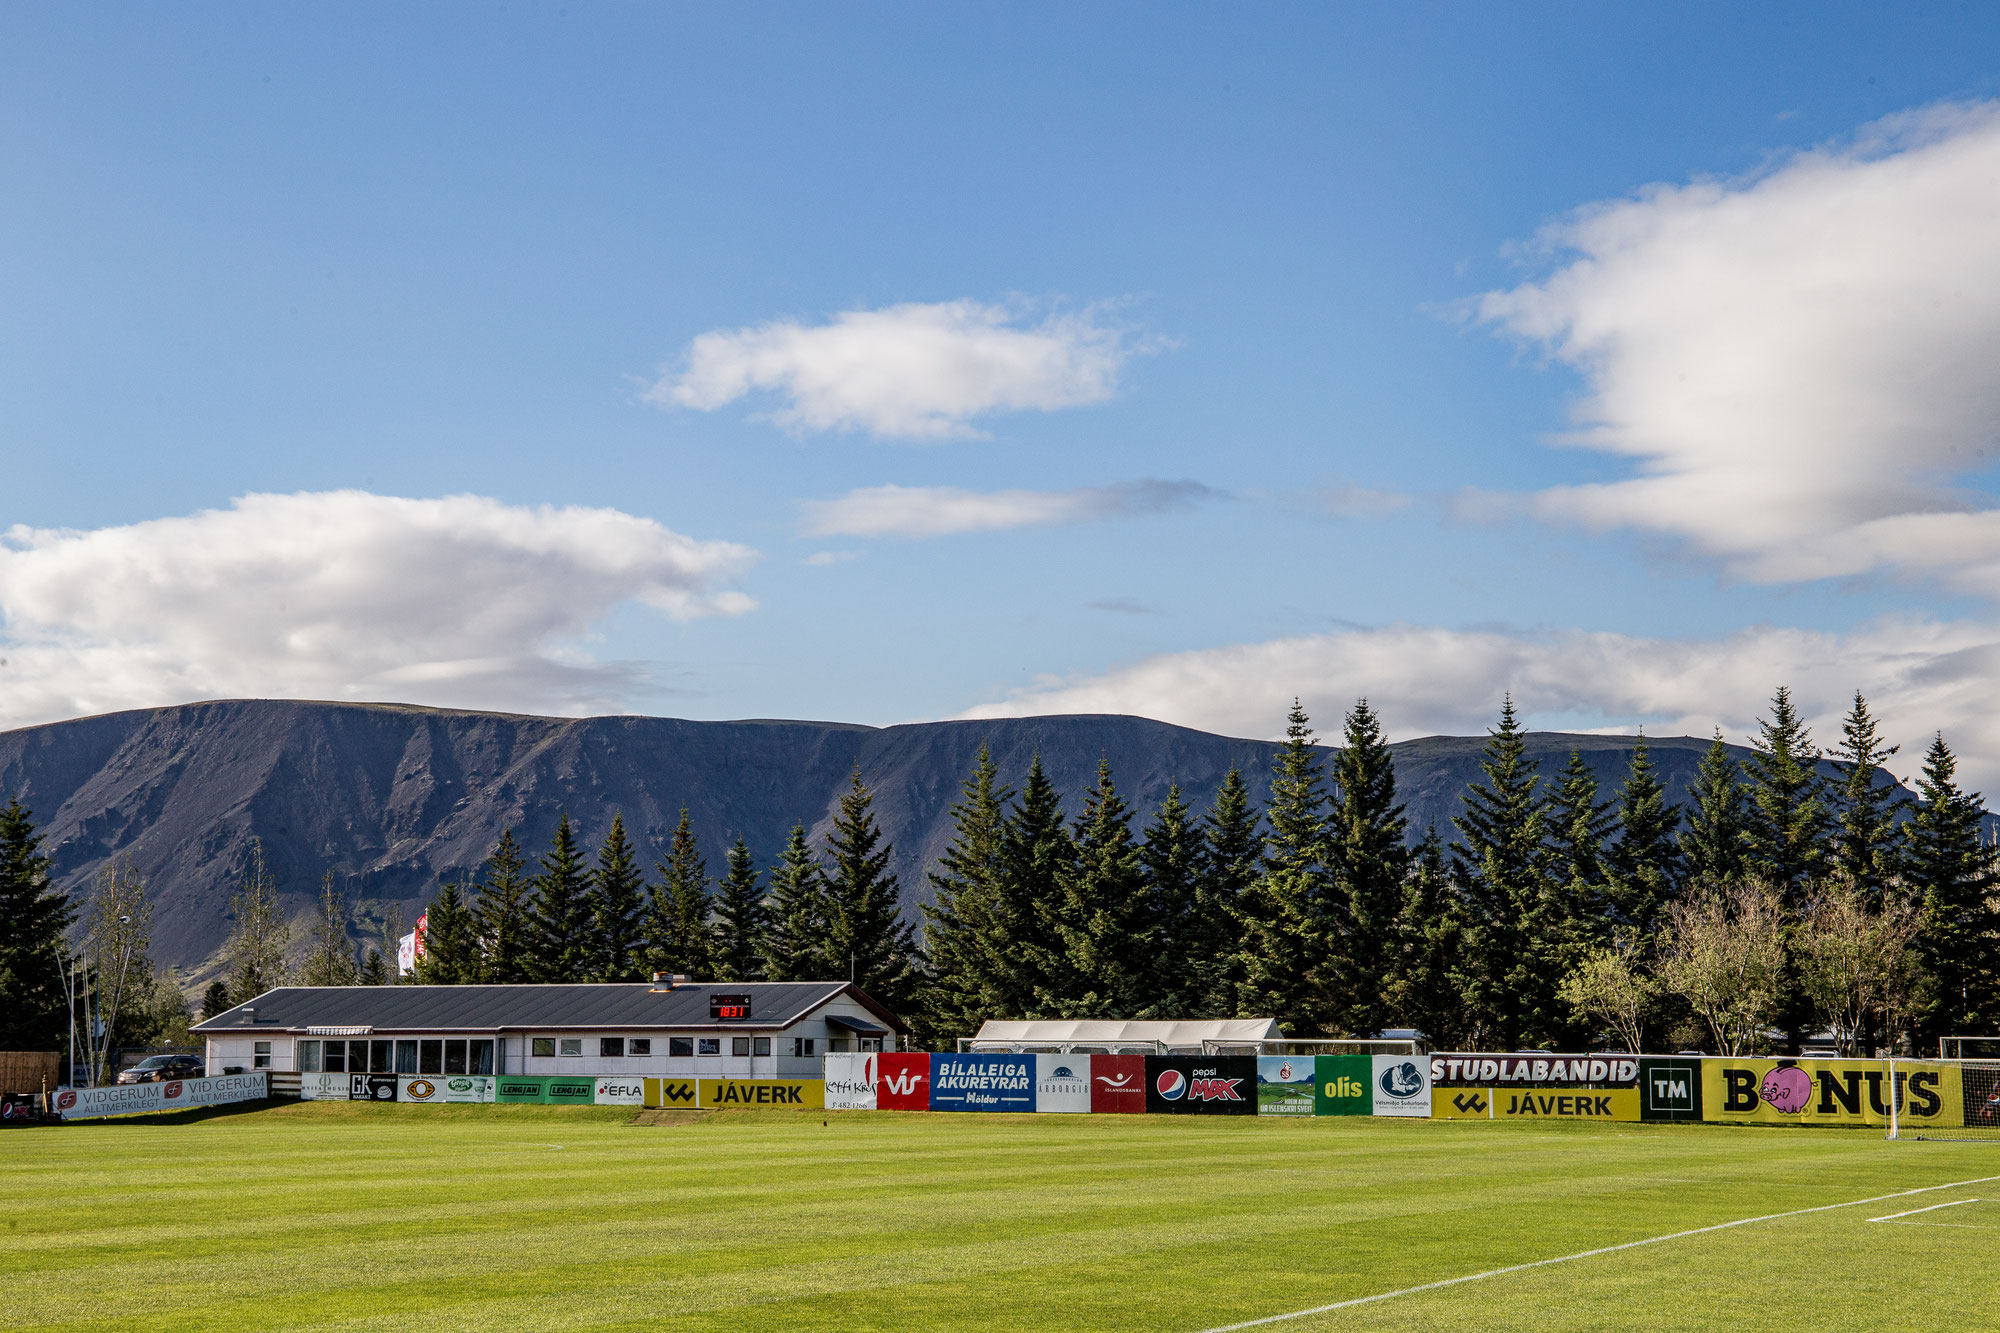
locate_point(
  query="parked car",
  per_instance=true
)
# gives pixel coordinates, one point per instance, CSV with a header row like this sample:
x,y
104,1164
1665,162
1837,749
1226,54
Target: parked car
x,y
159,1068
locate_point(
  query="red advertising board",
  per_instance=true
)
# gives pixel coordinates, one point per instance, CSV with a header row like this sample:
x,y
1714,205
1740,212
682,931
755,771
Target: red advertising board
x,y
1118,1084
903,1082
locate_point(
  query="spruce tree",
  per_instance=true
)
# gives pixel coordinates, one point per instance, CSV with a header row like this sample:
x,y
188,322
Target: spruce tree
x,y
506,908
451,954
1422,988
1503,863
865,928
1370,862
794,947
617,897
739,919
1788,807
1232,863
33,917
1642,865
1578,826
374,970
1715,845
678,936
1954,874
1865,842
1175,861
562,938
215,1000
965,936
1035,856
1101,916
1289,925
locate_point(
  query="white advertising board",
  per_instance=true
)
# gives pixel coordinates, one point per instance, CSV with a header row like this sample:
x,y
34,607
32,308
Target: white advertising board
x,y
172,1095
850,1081
619,1090
1062,1083
444,1088
1402,1085
323,1087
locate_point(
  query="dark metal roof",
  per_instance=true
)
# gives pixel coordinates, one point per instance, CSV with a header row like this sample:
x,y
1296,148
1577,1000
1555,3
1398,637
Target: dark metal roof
x,y
627,1005
858,1026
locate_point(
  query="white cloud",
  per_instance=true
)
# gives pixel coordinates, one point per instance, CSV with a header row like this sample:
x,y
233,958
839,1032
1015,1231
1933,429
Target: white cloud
x,y
912,371
1800,365
937,511
1920,676
342,595
826,559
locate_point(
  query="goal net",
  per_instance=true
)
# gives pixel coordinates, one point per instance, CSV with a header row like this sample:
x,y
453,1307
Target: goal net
x,y
1955,1100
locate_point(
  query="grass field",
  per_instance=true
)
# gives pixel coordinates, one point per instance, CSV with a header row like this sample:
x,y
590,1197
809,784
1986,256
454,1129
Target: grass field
x,y
355,1216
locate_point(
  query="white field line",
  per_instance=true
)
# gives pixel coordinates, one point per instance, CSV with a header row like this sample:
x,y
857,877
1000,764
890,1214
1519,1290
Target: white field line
x,y
1583,1254
1914,1211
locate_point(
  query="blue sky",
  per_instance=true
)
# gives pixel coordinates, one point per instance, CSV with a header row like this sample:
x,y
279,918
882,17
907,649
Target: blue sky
x,y
1243,342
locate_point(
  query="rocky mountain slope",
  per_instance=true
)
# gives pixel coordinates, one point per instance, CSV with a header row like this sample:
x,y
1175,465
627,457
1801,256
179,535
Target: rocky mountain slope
x,y
394,799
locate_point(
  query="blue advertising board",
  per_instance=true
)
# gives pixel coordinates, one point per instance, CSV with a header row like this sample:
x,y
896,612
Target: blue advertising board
x,y
982,1083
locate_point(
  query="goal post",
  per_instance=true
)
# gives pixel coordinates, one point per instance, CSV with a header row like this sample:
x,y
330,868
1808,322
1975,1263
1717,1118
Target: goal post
x,y
1969,1091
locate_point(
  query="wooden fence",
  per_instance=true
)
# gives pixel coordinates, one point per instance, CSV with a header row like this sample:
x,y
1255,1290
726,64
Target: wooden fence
x,y
29,1071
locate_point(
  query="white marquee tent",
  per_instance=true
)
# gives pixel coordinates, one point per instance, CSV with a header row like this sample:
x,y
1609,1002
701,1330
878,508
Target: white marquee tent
x,y
1128,1034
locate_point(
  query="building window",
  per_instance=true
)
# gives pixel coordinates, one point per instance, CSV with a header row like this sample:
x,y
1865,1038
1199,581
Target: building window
x,y
308,1057
430,1055
871,1043
542,1048
479,1056
406,1057
639,1046
677,1046
336,1057
611,1048
739,1046
261,1059
802,1047
763,1045
454,1056
572,1045
380,1056
708,1046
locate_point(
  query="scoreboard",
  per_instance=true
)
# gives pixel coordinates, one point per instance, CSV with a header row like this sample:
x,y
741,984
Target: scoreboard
x,y
728,1007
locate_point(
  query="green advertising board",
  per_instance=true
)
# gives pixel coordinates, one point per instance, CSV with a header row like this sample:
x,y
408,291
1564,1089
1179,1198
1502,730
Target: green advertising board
x,y
570,1091
520,1088
1340,1085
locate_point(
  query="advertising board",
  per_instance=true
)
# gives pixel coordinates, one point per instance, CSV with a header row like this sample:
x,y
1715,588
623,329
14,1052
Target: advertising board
x,y
1201,1085
794,1094
1461,1103
982,1082
1118,1084
1285,1084
519,1088
569,1090
1450,1070
618,1090
1342,1085
1669,1088
670,1093
850,1081
1062,1083
1565,1104
172,1095
1829,1092
371,1087
903,1081
323,1087
1401,1085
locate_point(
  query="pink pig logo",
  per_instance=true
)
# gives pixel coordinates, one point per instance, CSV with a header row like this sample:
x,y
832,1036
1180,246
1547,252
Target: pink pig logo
x,y
1787,1088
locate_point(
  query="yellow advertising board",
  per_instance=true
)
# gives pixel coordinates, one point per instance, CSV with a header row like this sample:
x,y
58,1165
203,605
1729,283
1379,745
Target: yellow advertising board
x,y
671,1092
1829,1092
1535,1104
797,1094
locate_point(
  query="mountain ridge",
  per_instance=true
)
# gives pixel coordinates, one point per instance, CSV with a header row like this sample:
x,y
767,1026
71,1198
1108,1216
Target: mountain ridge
x,y
396,798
